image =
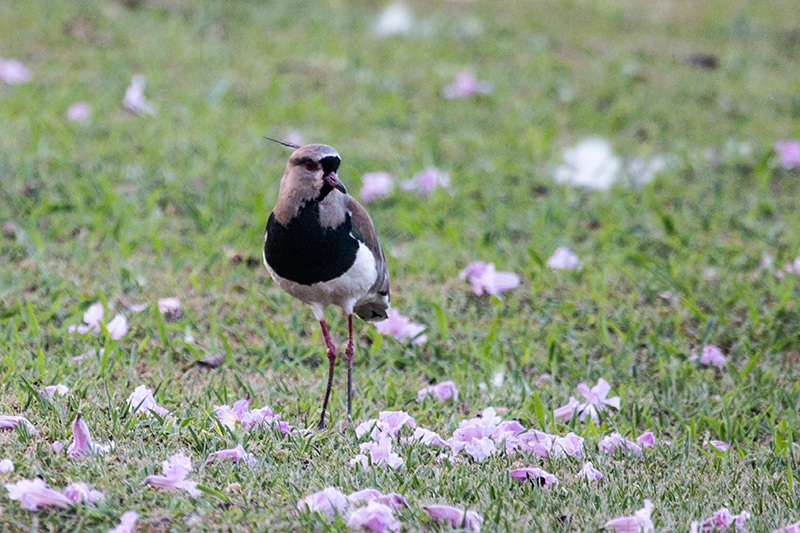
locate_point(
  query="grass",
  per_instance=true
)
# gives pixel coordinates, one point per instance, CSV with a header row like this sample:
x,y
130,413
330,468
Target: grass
x,y
127,209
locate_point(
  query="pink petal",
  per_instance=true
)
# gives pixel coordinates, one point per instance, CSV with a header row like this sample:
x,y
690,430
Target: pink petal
x,y
788,153
35,493
427,181
392,499
466,85
118,327
57,447
94,314
589,472
170,307
375,517
646,440
567,411
233,454
376,185
135,100
329,500
51,391
79,493
79,112
536,475
14,72
456,517
564,259
175,469
791,528
127,522
142,401
401,328
13,421
6,466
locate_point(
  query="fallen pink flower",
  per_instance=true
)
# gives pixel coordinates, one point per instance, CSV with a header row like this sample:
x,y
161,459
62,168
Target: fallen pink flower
x,y
536,476
57,446
79,493
118,327
170,307
716,444
541,381
375,516
788,153
791,528
79,112
13,421
427,181
794,267
51,391
564,259
379,453
639,522
175,471
141,401
569,444
596,400
466,85
646,440
13,72
137,308
82,443
590,473
376,185
329,500
91,319
233,454
88,355
392,499
135,100
485,279
34,493
427,437
401,328
711,356
610,443
127,522
566,412
474,439
229,416
441,391
6,466
456,517
723,519
387,423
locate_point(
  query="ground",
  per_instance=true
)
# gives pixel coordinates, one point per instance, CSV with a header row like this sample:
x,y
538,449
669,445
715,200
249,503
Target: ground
x,y
128,209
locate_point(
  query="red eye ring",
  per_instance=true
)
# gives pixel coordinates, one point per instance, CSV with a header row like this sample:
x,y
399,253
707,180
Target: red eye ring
x,y
311,166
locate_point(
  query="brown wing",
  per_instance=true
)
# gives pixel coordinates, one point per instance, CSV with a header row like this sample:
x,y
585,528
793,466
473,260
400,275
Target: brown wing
x,y
376,303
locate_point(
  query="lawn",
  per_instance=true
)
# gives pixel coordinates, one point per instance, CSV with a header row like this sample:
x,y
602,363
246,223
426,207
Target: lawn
x,y
127,208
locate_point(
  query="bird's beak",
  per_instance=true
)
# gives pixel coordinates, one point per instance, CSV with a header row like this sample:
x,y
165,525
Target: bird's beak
x,y
333,180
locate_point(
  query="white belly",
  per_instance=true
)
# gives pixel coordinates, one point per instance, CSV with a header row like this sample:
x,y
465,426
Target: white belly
x,y
343,291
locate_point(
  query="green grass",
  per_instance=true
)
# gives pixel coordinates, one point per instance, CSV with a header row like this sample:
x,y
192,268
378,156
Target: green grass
x,y
131,209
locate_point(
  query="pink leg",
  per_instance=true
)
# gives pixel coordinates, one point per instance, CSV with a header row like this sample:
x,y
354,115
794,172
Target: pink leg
x,y
350,352
331,352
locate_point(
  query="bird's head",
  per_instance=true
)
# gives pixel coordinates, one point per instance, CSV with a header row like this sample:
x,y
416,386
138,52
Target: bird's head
x,y
311,172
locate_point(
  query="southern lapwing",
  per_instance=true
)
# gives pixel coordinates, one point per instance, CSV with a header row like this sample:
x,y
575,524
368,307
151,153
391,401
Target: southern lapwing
x,y
321,247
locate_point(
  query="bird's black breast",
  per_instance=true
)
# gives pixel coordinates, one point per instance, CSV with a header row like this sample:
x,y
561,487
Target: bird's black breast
x,y
305,252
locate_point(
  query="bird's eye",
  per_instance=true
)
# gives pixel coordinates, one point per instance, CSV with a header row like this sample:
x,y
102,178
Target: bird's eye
x,y
311,166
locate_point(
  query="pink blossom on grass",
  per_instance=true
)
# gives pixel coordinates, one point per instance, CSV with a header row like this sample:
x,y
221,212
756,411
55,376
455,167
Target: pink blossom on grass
x,y
428,437
374,517
329,500
590,473
376,185
570,444
14,421
79,112
638,522
51,391
141,401
719,445
82,443
91,319
80,492
455,517
57,446
88,355
6,466
711,356
793,267
401,328
118,327
137,308
791,528
610,443
170,307
723,519
566,412
380,453
474,437
485,279
537,476
441,391
33,494
13,72
541,380
135,100
788,153
387,423
465,85
646,440
233,454
127,522
175,469
427,181
564,259
596,400
392,499
230,416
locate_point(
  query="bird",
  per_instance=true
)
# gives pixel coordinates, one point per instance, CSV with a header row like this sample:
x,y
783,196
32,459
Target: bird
x,y
321,247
